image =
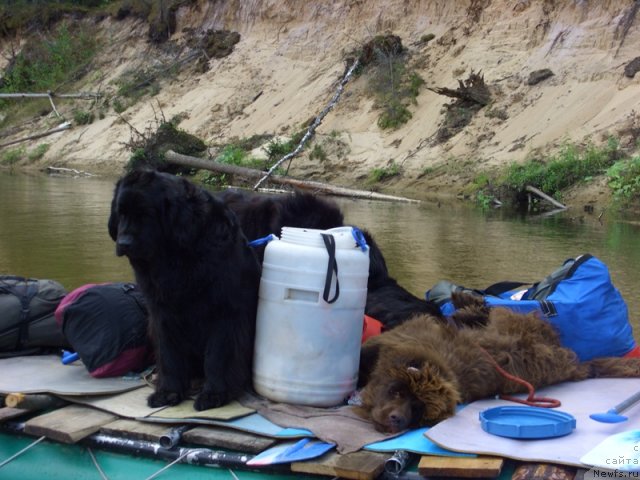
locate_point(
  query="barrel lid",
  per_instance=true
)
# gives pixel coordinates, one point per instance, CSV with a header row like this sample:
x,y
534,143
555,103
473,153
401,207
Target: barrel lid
x,y
343,236
526,422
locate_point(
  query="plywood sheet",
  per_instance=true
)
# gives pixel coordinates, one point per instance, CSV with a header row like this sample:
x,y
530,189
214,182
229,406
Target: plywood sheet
x,y
463,432
69,424
457,467
226,438
359,465
135,430
47,374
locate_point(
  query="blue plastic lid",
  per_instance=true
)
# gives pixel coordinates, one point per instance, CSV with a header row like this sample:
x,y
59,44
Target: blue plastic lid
x,y
526,422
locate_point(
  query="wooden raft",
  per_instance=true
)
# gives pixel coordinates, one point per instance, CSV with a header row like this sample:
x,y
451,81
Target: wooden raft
x,y
71,423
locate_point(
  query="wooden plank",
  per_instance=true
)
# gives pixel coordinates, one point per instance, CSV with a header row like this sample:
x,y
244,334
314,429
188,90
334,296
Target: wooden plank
x,y
136,430
7,413
543,471
361,465
226,438
460,467
69,424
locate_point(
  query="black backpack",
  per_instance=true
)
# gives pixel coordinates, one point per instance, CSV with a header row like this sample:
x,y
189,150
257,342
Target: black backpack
x,y
106,325
27,323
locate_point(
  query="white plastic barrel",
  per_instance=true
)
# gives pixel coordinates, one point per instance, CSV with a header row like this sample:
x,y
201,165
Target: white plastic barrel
x,y
307,351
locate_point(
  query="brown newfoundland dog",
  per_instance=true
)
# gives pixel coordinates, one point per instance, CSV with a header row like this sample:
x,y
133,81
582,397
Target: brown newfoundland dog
x,y
200,279
423,368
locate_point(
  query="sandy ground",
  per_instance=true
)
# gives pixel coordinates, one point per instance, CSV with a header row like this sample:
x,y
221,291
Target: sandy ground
x,y
292,55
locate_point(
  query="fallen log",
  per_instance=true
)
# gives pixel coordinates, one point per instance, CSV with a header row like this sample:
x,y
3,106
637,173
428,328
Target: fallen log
x,y
249,173
544,196
64,126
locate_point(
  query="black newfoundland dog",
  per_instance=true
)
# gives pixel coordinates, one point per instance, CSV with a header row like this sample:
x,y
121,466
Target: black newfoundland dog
x,y
200,278
260,215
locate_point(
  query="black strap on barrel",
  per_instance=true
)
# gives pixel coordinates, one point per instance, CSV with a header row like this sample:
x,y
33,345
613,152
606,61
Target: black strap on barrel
x,y
332,268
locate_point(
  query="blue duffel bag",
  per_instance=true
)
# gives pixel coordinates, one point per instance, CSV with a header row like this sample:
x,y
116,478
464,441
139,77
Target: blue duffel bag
x,y
579,299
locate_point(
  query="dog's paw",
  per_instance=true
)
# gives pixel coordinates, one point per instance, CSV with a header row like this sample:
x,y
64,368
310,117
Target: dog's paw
x,y
207,400
161,398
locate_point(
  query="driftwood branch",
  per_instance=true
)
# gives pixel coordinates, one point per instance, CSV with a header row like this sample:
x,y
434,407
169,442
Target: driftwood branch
x,y
50,95
546,197
249,173
64,126
473,89
68,172
312,128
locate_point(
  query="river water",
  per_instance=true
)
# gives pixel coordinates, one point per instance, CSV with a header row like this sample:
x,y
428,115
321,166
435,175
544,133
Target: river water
x,y
56,227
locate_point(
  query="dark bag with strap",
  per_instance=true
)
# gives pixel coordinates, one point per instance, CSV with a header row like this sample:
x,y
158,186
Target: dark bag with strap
x,y
106,325
578,298
27,323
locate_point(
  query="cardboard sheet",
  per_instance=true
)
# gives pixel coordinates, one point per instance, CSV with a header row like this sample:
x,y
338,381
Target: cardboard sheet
x,y
130,404
253,423
185,411
617,452
47,374
414,441
463,432
133,404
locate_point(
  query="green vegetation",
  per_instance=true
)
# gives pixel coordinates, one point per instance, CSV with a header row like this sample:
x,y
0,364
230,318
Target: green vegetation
x,y
393,115
318,153
48,61
384,173
40,15
570,166
148,147
239,153
38,152
624,180
277,149
12,156
135,84
393,84
118,105
82,117
395,89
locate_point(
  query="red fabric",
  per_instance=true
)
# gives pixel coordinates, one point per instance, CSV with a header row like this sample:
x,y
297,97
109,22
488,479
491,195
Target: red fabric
x,y
70,298
371,327
635,353
128,360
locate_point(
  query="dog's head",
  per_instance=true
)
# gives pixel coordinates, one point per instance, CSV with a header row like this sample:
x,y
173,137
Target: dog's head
x,y
157,213
407,392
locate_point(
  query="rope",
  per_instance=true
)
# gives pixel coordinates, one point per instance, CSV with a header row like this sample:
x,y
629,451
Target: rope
x,y
16,455
95,463
531,400
187,452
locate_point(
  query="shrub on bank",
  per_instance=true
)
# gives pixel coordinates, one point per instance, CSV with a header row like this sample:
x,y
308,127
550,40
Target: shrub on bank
x,y
571,165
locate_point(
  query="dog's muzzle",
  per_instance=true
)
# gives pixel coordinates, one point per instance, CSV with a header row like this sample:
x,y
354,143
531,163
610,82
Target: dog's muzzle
x,y
123,245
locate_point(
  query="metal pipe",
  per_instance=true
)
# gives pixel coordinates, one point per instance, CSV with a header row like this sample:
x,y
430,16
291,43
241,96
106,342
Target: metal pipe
x,y
397,462
173,436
